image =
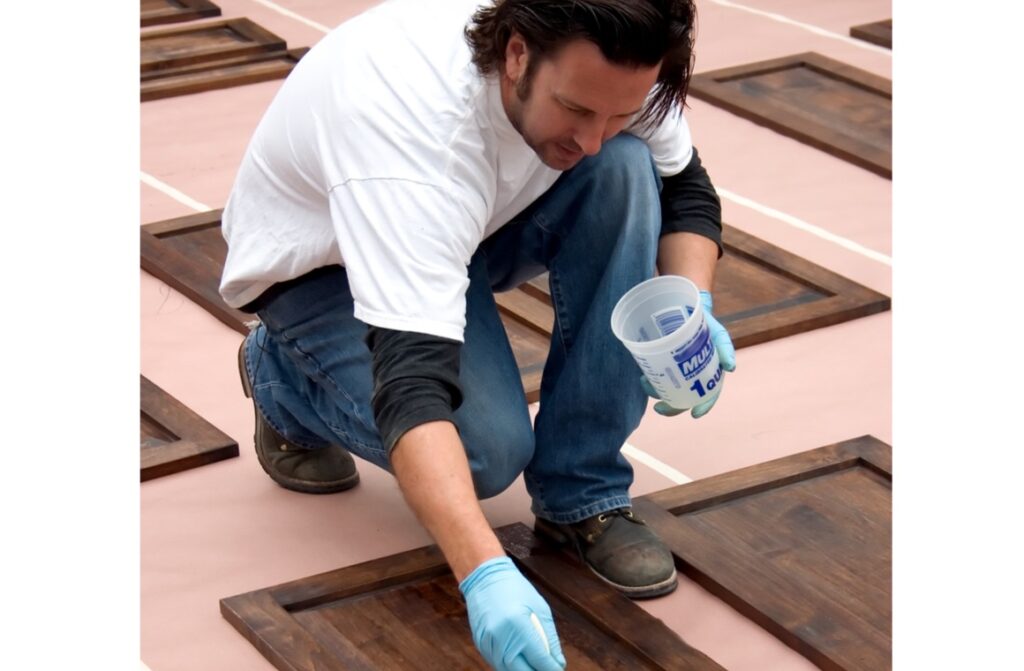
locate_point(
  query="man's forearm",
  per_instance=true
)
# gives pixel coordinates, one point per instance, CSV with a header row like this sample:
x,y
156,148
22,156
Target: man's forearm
x,y
688,254
433,473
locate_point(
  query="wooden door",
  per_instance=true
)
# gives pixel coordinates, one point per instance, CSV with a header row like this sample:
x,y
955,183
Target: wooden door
x,y
823,102
762,292
801,545
211,55
405,613
173,437
157,12
879,32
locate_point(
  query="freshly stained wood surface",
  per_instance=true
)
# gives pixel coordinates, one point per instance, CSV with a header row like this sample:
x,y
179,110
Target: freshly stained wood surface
x,y
879,33
405,612
204,42
801,545
211,55
835,107
763,292
156,12
188,253
224,74
173,437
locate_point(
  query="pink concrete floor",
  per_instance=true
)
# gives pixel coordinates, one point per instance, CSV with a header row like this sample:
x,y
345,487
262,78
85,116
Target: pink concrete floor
x,y
225,528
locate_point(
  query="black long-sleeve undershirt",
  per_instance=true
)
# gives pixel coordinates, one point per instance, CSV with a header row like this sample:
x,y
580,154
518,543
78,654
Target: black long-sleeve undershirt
x,y
690,203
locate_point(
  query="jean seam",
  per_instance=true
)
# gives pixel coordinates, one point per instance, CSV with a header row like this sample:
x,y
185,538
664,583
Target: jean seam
x,y
325,379
262,411
563,322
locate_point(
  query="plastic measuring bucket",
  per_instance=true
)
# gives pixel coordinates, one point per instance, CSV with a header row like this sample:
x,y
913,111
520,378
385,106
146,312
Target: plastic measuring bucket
x,y
661,323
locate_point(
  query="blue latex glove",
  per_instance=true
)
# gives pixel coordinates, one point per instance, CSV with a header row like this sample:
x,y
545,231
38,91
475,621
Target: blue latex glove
x,y
500,600
726,356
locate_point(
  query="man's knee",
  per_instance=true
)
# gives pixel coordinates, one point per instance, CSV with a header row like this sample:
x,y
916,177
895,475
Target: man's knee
x,y
497,464
623,171
627,152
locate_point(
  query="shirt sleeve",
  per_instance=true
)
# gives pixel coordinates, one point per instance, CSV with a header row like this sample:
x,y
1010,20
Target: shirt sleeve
x,y
669,142
406,246
690,203
415,381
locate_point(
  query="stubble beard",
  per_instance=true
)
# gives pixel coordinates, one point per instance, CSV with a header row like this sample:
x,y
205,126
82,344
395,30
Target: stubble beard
x,y
523,89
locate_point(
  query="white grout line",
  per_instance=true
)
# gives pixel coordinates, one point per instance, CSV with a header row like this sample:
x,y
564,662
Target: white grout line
x,y
292,15
806,26
172,192
656,464
804,226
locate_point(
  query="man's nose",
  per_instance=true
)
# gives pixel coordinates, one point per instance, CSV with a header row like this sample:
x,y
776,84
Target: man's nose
x,y
591,136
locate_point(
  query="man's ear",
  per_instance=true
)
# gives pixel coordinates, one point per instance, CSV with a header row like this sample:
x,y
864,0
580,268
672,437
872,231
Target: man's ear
x,y
516,57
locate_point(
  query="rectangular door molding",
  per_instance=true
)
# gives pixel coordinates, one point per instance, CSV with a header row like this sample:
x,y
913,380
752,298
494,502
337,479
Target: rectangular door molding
x,y
762,292
173,437
211,55
802,545
879,32
405,612
825,103
157,12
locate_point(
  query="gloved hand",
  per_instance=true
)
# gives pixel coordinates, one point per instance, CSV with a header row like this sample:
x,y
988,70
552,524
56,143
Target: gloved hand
x,y
726,356
500,600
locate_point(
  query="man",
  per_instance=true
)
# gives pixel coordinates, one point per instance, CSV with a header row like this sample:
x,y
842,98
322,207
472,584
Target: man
x,y
420,157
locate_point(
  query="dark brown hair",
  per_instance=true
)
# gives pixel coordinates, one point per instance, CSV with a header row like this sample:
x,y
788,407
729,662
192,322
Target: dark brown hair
x,y
628,32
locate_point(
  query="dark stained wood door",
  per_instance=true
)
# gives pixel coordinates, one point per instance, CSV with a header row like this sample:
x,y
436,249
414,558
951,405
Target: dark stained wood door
x,y
157,12
173,437
879,32
405,613
823,102
762,292
211,55
801,545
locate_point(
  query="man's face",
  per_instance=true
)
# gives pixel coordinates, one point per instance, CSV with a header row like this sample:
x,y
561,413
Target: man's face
x,y
575,101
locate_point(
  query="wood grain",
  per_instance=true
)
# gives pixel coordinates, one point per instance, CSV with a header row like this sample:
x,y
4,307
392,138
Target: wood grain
x,y
222,74
801,545
211,55
879,32
158,12
406,612
173,437
762,292
817,100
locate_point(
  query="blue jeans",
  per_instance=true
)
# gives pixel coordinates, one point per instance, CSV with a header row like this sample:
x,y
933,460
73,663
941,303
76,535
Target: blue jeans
x,y
596,233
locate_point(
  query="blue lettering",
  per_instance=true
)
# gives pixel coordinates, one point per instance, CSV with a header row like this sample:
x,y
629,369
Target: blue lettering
x,y
697,361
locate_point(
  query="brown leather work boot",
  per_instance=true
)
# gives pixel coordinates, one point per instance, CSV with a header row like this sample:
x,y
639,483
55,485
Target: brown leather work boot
x,y
620,549
321,471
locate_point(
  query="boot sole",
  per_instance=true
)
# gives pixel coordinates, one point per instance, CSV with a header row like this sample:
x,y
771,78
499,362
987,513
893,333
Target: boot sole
x,y
547,530
302,486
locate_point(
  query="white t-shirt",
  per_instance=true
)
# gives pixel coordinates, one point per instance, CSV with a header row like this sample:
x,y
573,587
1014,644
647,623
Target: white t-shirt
x,y
385,151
